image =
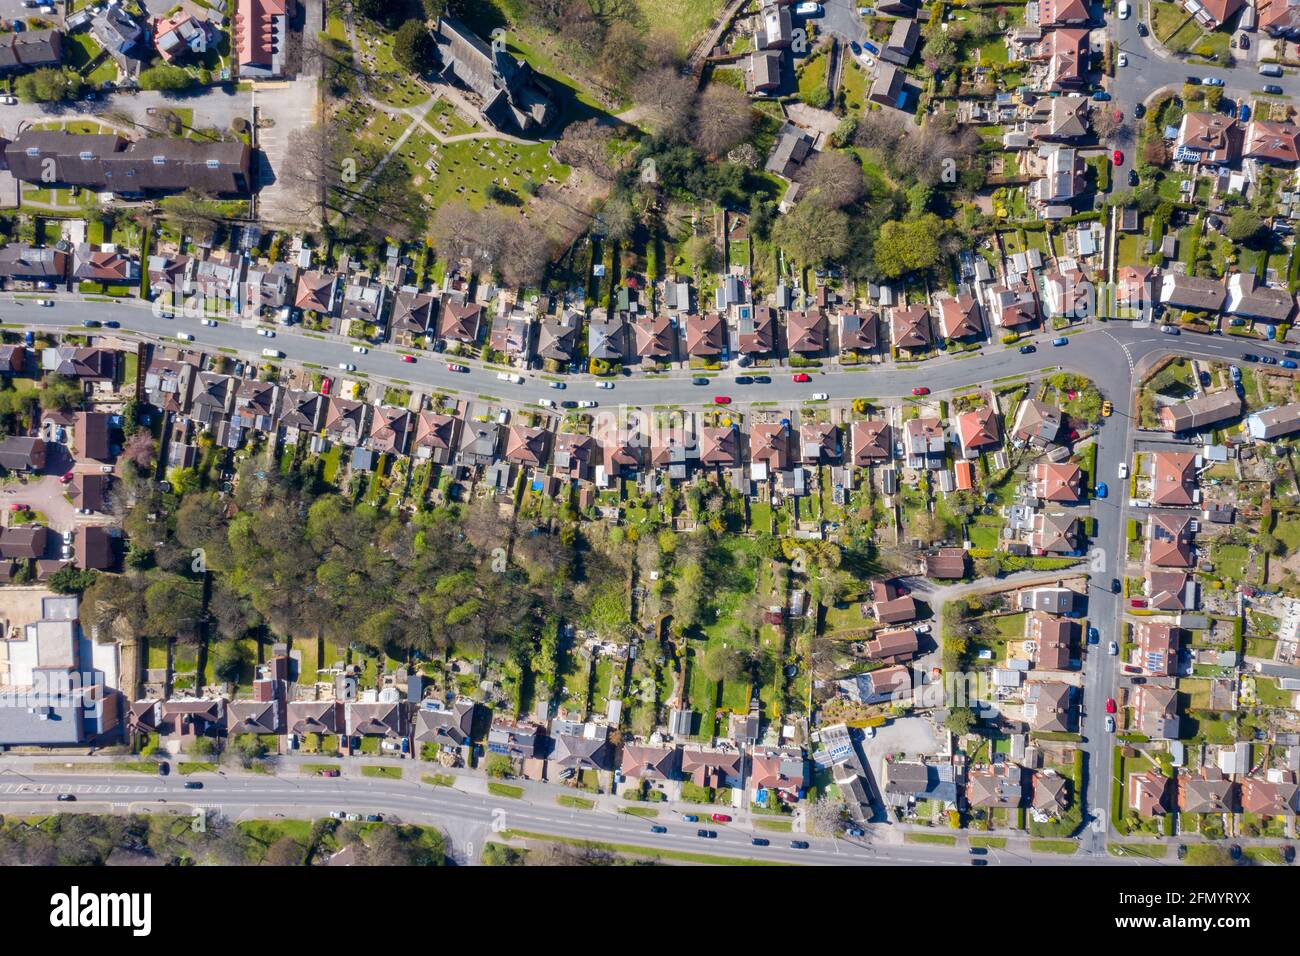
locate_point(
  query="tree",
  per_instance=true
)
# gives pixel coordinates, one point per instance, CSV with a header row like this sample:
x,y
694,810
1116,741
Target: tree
x,y
666,97
833,180
827,816
723,118
960,720
1244,227
70,580
813,234
413,47
906,246
723,662
48,85
228,661
166,78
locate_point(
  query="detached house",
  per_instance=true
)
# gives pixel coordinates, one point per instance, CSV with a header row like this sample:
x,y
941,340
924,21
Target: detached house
x,y
1170,541
412,317
460,321
872,442
1058,483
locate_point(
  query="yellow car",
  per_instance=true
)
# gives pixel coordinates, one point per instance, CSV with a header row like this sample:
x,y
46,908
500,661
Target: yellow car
x,y
1106,409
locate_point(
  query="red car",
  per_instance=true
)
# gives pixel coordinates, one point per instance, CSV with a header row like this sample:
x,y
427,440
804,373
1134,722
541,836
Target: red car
x,y
1117,157
325,386
1110,705
920,390
721,818
66,478
408,358
1138,602
453,367
722,399
801,377
17,507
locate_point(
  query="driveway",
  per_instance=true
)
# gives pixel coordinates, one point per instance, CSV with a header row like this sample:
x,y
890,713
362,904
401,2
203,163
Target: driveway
x,y
840,17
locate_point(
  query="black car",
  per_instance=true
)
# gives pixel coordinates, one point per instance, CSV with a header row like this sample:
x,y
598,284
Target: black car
x,y
762,379
1249,357
699,380
798,844
979,862
1182,851
193,785
1234,851
1142,29
65,797
1133,178
1272,89
374,817
978,851
91,323
112,324
744,380
1139,111
707,834
1288,854
570,403
164,769
1291,353
1267,360
1028,349
1115,586
760,841
658,828
1193,81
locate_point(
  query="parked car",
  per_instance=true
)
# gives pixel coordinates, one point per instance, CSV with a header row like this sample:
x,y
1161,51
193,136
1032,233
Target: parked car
x,y
210,323
821,397
1110,705
337,815
762,380
1060,340
1139,111
721,818
722,399
325,385
1287,363
45,302
855,832
347,367
1117,157
1110,724
546,402
453,367
91,323
1249,357
1028,350
1124,9
374,817
920,390
707,834
801,377
1212,81
185,336
1101,96
1267,360
1093,635
270,334
1112,649
1123,59
1102,489
1142,30
1107,409
605,385
744,380
164,769
408,359
1273,89
690,818
978,851
699,380
559,385
1123,470
1133,177
1115,586
1170,330
1137,602
809,9
360,349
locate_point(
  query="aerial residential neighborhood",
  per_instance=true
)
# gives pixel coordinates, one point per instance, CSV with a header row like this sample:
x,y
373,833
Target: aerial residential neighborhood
x,y
710,432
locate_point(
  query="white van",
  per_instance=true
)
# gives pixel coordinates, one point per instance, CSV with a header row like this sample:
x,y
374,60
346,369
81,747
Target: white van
x,y
1270,69
272,353
510,377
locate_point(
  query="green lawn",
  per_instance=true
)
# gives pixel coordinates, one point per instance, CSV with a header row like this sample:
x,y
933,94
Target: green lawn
x,y
385,773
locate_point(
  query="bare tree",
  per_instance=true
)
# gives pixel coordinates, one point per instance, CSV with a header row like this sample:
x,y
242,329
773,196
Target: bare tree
x,y
667,97
833,180
826,816
723,118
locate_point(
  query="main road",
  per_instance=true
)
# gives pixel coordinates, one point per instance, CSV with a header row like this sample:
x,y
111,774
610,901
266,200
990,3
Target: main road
x,y
470,819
